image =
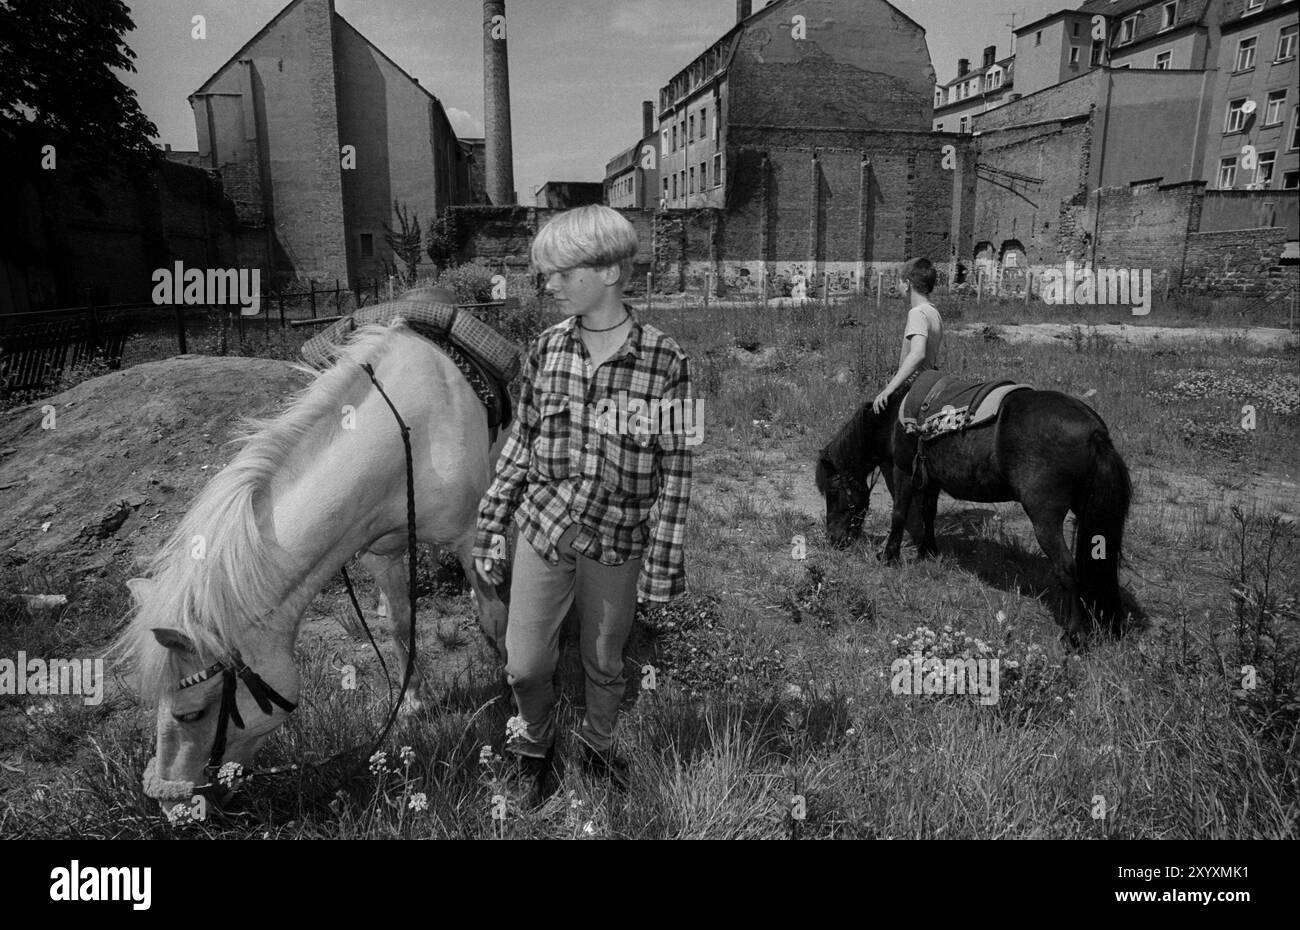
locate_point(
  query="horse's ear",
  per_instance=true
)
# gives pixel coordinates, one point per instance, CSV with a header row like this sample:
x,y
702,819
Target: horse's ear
x,y
174,639
825,471
140,588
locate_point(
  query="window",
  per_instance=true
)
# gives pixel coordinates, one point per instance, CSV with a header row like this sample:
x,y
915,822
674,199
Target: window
x,y
682,175
1286,43
665,188
367,245
1074,54
1168,15
1264,170
1128,28
1097,47
704,178
674,187
938,127
664,149
1227,173
1164,61
691,134
1273,109
1295,129
1038,37
964,124
674,138
692,187
938,98
1246,54
704,122
1236,120
1291,180
717,170
1075,30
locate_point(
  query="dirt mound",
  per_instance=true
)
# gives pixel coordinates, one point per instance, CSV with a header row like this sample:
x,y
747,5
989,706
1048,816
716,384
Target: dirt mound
x,y
109,475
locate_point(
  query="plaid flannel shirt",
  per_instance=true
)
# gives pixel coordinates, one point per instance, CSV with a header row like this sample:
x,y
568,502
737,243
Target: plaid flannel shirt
x,y
574,455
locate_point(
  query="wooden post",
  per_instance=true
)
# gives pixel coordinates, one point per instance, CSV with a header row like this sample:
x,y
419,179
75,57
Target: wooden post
x,y
180,330
1029,285
708,276
826,287
390,286
338,307
312,297
1168,277
880,289
649,287
282,306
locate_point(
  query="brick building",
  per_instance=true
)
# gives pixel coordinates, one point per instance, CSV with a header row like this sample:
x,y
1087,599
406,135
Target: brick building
x,y
565,195
632,176
1256,103
798,143
973,92
317,133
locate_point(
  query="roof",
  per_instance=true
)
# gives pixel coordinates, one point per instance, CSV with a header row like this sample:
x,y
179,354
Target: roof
x,y
1234,11
1048,18
1149,13
1006,64
276,19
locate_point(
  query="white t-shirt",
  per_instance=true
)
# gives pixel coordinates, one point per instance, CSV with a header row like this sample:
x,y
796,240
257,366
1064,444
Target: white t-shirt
x,y
923,320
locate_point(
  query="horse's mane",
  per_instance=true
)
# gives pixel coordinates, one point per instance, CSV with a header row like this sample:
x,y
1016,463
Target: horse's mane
x,y
848,453
211,599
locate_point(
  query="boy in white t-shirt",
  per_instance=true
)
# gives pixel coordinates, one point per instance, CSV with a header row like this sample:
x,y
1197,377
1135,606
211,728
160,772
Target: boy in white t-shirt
x,y
923,337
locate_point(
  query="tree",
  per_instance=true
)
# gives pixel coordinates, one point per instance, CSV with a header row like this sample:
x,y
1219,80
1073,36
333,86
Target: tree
x,y
58,87
406,244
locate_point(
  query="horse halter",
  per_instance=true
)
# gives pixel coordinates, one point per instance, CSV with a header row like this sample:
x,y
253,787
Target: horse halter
x,y
233,670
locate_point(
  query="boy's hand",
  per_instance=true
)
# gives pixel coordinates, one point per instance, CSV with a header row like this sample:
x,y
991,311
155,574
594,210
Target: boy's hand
x,y
881,402
490,570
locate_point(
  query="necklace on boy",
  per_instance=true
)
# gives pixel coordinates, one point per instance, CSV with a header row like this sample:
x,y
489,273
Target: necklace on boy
x,y
626,317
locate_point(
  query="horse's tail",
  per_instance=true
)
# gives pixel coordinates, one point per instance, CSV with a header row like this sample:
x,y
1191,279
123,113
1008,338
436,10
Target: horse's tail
x,y
1101,512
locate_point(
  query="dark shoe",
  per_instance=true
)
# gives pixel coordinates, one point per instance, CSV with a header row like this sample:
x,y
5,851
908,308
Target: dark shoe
x,y
540,777
605,766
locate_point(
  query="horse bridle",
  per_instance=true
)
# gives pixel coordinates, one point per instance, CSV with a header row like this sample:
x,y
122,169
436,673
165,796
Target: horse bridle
x,y
232,671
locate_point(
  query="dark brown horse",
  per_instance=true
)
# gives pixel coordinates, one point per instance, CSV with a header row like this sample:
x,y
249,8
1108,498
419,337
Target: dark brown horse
x,y
1047,450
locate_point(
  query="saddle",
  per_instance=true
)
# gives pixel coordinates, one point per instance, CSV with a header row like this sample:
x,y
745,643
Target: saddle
x,y
488,360
938,404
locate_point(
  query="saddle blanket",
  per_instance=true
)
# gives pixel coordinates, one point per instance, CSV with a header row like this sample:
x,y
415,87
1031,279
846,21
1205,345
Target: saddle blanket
x,y
486,358
937,403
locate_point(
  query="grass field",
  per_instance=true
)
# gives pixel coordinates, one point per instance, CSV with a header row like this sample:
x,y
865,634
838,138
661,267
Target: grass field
x,y
771,713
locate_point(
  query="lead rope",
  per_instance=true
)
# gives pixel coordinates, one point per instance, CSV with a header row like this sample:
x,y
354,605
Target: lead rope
x,y
410,563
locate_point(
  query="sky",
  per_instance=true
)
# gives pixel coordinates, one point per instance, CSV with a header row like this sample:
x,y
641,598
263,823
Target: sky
x,y
579,69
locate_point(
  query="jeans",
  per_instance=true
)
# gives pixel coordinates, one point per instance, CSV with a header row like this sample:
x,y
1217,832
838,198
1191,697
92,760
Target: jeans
x,y
540,597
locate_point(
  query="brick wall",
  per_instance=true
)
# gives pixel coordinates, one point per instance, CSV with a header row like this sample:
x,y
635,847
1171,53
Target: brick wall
x,y
1237,261
1147,227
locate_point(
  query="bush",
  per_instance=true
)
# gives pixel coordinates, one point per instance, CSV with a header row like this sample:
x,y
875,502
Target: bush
x,y
472,282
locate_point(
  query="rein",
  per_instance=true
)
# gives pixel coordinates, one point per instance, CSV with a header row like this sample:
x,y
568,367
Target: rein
x,y
233,670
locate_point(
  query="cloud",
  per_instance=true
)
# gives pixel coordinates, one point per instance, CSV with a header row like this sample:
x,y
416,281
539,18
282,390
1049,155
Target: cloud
x,y
464,124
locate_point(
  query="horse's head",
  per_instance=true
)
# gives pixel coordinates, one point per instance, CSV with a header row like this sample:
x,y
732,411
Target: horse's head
x,y
846,470
215,704
848,498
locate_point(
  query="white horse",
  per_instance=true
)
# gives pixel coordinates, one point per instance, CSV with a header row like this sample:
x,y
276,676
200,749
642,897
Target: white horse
x,y
308,490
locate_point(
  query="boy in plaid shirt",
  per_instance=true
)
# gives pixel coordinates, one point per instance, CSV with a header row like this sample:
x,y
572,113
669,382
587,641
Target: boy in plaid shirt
x,y
605,421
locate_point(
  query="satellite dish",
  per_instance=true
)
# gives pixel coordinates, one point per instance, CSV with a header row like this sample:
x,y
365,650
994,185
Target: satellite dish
x,y
1248,107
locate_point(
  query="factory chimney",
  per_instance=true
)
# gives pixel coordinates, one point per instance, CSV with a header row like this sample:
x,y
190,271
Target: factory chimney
x,y
499,167
743,9
647,118
990,56
963,66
